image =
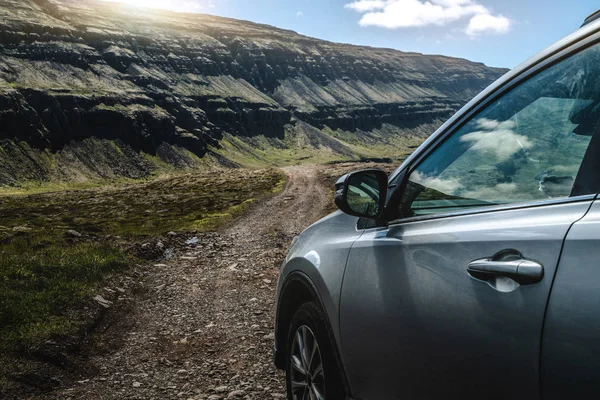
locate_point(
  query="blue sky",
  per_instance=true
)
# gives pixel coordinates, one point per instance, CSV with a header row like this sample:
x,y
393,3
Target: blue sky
x,y
499,33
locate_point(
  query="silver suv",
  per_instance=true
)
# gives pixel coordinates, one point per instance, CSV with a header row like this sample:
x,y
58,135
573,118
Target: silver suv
x,y
472,271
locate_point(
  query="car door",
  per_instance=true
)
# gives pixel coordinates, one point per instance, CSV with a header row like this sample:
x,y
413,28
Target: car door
x,y
448,300
571,350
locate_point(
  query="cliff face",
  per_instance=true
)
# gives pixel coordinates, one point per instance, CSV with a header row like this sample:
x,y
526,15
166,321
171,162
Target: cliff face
x,y
91,89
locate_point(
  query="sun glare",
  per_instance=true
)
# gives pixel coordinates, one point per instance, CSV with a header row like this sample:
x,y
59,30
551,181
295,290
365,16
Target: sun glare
x,y
172,5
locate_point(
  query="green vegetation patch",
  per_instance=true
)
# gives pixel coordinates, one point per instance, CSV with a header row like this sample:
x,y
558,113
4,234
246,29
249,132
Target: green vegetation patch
x,y
45,271
41,278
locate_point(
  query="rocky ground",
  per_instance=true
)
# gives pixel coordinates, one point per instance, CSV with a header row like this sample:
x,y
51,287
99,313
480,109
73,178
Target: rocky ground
x,y
202,328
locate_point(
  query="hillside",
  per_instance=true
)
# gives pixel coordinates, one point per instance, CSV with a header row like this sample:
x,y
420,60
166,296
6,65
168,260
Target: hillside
x,y
93,90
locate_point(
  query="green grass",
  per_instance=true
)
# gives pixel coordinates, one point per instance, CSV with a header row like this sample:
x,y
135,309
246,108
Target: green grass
x,y
41,278
43,274
378,143
304,145
261,153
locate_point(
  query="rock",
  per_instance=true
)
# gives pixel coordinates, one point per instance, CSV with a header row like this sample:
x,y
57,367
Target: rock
x,y
172,234
168,254
73,234
192,241
102,301
270,336
221,389
137,384
235,394
232,267
21,229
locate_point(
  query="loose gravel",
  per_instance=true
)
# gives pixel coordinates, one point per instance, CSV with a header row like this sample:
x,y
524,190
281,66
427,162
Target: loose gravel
x,y
202,328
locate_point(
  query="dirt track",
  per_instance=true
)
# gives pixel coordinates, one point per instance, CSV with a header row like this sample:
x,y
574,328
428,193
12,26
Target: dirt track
x,y
203,328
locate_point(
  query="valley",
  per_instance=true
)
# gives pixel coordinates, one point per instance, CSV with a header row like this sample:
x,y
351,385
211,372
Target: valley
x,y
91,91
154,167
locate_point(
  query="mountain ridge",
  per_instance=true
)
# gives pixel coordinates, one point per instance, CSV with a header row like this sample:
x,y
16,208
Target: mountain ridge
x,y
90,90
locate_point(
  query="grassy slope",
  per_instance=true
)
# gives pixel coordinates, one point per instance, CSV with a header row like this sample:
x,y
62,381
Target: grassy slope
x,y
115,163
306,144
43,272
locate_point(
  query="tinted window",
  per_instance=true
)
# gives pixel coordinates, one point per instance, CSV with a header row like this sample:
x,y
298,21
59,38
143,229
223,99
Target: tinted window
x,y
528,145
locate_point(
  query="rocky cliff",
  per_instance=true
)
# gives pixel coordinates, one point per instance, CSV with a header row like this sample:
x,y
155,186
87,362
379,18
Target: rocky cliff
x,y
93,89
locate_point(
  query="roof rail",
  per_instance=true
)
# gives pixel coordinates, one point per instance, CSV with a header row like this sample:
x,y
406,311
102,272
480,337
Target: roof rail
x,y
591,18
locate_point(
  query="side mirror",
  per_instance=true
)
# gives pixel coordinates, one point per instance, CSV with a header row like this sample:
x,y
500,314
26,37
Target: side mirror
x,y
362,193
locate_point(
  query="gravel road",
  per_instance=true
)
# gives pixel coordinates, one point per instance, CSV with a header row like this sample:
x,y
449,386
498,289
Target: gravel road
x,y
202,328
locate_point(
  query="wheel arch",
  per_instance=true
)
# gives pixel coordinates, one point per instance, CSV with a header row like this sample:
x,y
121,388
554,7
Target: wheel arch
x,y
296,290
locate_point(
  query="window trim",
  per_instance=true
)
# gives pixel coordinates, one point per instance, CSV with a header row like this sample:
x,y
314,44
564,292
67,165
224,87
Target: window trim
x,y
500,208
462,118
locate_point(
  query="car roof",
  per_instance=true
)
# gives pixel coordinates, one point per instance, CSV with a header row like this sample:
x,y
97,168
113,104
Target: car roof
x,y
590,27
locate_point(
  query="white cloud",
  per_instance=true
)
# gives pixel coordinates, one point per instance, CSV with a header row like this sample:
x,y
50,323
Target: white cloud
x,y
487,23
491,124
299,14
449,3
498,140
394,14
366,5
449,186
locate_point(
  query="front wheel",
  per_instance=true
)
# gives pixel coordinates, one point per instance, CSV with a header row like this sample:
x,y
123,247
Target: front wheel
x,y
311,370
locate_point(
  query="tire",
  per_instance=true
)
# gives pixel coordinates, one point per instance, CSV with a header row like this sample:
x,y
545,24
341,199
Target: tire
x,y
323,383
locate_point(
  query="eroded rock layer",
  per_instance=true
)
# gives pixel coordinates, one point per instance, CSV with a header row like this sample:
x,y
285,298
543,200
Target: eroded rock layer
x,y
96,85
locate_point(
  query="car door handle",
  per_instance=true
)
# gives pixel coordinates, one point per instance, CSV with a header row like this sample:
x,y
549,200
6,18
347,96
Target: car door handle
x,y
524,272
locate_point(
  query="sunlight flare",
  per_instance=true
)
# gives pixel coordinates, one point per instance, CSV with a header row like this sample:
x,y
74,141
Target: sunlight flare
x,y
171,5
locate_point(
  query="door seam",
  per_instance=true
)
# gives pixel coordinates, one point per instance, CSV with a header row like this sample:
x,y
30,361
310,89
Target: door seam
x,y
540,355
339,315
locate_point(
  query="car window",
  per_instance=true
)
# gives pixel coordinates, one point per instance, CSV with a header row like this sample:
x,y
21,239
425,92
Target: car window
x,y
528,145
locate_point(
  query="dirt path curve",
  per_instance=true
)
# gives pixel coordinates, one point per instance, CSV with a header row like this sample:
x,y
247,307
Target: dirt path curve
x,y
203,329
300,204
